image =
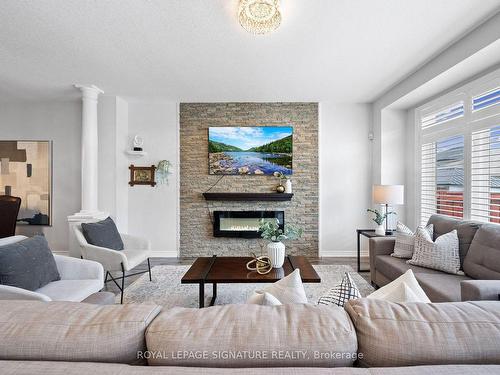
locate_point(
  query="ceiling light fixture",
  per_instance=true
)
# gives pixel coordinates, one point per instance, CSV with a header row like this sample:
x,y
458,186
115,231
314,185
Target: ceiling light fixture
x,y
259,16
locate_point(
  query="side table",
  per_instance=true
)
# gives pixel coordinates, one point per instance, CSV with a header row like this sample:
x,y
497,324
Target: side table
x,y
369,233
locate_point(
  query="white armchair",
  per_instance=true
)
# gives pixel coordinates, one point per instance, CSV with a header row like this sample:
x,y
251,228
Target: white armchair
x,y
136,250
79,279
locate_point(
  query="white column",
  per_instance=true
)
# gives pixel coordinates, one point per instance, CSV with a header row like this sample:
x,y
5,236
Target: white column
x,y
89,164
89,147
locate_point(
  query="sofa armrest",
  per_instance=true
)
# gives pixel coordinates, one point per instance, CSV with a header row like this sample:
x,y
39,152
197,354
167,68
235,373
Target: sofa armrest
x,y
131,242
379,246
79,269
12,292
477,290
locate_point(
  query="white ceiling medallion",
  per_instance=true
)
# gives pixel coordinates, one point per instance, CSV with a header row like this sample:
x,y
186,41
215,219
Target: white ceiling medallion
x,y
259,16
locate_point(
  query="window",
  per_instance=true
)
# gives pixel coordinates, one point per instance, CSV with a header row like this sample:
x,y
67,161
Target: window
x,y
442,178
485,173
443,115
459,135
486,99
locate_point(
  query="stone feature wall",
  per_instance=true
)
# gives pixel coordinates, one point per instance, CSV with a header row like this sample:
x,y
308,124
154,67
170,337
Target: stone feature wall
x,y
196,229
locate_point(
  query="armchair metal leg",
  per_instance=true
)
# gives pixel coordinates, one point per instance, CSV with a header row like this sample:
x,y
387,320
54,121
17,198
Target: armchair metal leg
x,y
149,270
120,287
123,284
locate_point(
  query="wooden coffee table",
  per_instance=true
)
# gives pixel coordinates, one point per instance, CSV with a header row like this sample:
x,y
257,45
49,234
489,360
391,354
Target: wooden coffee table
x,y
231,270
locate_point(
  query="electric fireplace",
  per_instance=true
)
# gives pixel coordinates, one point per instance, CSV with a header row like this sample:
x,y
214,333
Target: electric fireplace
x,y
244,224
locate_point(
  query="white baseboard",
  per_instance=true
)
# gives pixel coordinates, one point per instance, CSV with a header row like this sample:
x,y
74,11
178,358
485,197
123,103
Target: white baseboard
x,y
64,253
341,253
164,254
154,254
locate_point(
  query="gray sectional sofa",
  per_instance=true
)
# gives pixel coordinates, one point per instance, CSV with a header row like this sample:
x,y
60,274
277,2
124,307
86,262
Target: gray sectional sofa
x,y
479,255
367,337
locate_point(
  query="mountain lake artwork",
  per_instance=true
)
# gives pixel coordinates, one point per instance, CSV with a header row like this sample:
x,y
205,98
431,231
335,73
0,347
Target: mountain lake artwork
x,y
259,150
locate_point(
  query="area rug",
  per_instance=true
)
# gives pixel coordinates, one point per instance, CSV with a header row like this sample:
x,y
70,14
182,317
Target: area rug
x,y
166,288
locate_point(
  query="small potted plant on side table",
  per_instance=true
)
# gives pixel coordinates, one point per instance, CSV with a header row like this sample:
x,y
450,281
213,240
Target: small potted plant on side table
x,y
379,219
271,231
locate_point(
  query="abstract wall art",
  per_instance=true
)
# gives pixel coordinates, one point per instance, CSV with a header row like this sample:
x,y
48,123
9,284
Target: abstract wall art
x,y
26,172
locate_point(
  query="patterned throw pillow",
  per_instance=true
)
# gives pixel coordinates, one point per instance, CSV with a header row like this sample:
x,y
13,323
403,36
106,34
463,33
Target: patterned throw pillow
x,y
442,255
342,293
405,240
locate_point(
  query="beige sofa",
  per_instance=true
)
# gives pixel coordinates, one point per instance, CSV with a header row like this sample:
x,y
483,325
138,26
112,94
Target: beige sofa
x,y
77,338
479,255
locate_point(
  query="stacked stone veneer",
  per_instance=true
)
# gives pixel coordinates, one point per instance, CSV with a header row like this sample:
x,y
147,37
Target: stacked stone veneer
x,y
196,237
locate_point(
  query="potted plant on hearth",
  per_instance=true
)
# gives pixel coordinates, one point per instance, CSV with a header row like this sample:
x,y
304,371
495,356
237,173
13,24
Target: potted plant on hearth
x,y
270,230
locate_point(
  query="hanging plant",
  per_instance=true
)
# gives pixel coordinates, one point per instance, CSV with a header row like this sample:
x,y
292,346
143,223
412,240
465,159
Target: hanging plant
x,y
163,171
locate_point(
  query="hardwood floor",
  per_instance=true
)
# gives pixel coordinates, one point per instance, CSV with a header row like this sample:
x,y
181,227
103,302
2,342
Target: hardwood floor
x,y
110,286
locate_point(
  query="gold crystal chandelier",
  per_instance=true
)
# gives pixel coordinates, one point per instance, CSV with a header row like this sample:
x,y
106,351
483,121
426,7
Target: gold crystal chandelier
x,y
259,16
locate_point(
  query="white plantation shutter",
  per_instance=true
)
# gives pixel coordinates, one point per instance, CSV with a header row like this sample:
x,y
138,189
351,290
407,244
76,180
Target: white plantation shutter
x,y
450,112
459,153
428,182
485,171
442,178
486,100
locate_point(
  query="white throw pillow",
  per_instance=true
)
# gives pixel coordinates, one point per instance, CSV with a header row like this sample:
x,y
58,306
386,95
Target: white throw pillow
x,y
391,291
405,241
287,290
442,254
402,293
340,294
264,299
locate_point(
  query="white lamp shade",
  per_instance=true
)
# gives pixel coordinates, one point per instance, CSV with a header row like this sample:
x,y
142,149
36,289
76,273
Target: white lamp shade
x,y
388,194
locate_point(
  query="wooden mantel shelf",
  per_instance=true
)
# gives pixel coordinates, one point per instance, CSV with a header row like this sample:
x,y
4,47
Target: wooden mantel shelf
x,y
278,197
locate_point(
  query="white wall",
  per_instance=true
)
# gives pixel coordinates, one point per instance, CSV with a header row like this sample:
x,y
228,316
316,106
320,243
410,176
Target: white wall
x,y
107,154
393,155
61,123
345,176
153,212
113,162
410,178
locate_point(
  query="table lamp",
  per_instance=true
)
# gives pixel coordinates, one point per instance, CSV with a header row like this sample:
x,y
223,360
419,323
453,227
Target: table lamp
x,y
388,195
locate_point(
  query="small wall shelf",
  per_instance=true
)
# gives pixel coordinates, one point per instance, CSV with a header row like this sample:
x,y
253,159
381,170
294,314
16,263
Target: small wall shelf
x,y
278,197
136,154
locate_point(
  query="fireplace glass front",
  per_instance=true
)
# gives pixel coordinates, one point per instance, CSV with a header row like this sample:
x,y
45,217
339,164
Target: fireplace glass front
x,y
244,223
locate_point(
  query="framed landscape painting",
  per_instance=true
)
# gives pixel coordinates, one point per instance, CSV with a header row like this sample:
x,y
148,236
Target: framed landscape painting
x,y
26,172
259,150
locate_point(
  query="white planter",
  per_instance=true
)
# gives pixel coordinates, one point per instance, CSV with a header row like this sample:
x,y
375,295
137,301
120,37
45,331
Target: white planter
x,y
380,230
276,252
288,186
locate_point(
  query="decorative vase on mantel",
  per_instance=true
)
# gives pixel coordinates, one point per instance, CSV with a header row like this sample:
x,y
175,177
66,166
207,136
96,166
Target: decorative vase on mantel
x,y
276,253
288,186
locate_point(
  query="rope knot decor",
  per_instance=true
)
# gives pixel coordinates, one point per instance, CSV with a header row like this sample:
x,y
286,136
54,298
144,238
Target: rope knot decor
x,y
260,264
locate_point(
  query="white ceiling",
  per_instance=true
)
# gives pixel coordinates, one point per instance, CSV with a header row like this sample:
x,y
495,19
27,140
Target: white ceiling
x,y
195,50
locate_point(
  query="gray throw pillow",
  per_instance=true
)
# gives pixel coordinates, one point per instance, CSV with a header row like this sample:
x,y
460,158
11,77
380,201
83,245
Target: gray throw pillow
x,y
103,234
442,254
28,264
